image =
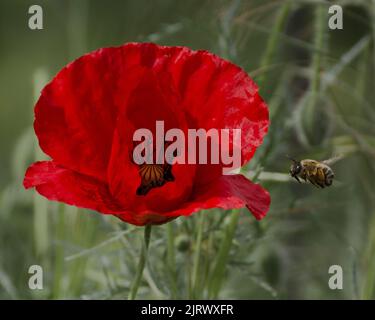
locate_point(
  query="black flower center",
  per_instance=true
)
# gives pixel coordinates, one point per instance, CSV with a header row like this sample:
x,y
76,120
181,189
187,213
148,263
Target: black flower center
x,y
153,176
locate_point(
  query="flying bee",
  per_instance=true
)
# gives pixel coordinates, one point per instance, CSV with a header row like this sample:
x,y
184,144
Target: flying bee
x,y
317,173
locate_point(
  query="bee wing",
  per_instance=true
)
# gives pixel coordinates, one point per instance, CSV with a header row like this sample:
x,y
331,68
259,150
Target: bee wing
x,y
333,160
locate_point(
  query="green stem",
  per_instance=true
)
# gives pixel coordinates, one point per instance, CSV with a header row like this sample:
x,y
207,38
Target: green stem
x,y
362,71
369,279
57,291
223,255
171,260
197,255
316,65
273,41
141,263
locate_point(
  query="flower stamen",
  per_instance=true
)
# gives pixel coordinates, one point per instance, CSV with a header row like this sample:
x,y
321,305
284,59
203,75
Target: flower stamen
x,y
153,176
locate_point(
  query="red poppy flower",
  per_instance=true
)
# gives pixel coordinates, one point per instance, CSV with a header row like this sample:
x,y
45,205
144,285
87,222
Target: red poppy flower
x,y
86,116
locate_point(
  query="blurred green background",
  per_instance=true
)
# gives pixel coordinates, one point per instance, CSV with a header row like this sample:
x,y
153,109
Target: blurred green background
x,y
319,85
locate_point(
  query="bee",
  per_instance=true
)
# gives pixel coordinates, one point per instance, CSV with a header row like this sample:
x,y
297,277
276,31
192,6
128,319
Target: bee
x,y
317,173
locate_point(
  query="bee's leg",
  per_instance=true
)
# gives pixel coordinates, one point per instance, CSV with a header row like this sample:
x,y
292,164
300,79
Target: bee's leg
x,y
321,178
297,179
303,175
312,182
321,185
310,177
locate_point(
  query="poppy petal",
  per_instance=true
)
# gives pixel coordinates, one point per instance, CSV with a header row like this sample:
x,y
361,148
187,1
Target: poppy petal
x,y
227,192
64,185
141,112
76,113
144,219
219,94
